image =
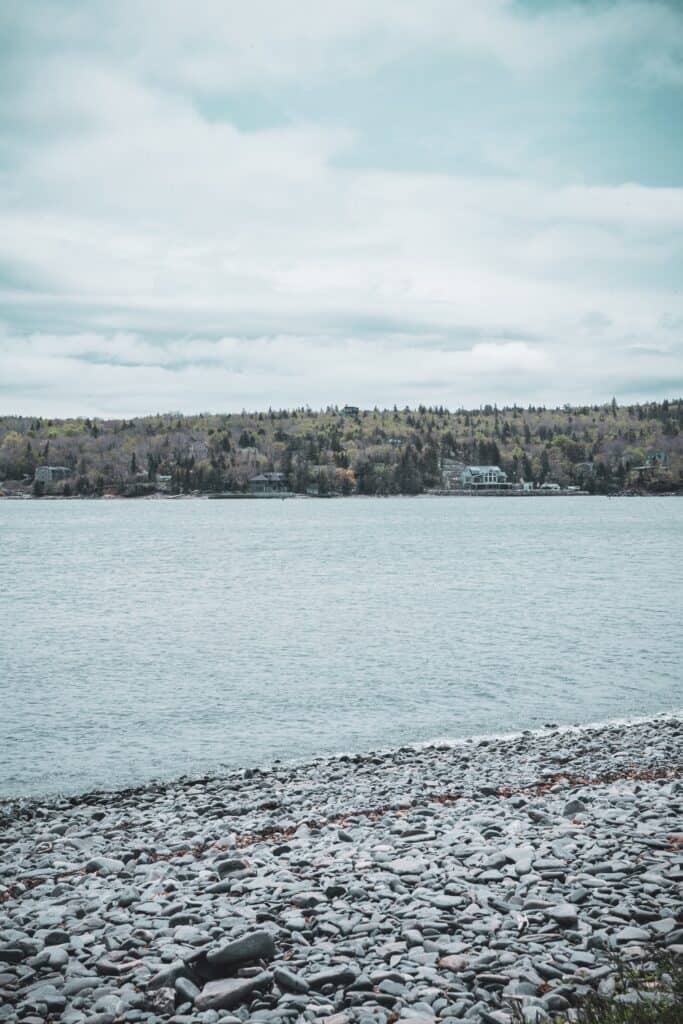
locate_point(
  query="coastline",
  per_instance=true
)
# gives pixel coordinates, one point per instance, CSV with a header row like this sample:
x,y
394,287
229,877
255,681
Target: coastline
x,y
203,495
451,880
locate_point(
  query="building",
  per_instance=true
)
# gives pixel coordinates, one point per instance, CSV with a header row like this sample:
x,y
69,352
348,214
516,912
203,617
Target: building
x,y
549,486
267,483
451,472
483,478
350,410
51,474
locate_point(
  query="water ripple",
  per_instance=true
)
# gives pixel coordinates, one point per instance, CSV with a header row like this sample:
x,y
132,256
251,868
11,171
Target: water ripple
x,y
147,639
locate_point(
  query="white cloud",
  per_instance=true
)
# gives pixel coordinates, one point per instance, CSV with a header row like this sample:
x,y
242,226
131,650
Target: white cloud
x,y
220,45
162,238
97,374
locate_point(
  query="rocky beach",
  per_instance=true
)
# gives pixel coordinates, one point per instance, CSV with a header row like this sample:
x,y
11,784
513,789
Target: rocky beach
x,y
494,880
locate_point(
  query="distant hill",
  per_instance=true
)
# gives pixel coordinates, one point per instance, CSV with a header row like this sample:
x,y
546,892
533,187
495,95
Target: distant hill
x,y
393,451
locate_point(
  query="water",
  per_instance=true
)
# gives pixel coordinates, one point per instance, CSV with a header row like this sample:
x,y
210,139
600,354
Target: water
x,y
148,639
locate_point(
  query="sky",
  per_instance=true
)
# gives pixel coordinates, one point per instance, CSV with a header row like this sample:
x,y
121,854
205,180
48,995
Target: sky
x,y
226,204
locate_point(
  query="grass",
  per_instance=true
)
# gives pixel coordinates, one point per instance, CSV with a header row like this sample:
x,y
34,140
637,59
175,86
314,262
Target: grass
x,y
660,989
661,1002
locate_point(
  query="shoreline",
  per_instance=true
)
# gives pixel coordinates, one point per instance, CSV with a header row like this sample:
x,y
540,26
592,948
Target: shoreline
x,y
203,496
24,802
431,882
217,495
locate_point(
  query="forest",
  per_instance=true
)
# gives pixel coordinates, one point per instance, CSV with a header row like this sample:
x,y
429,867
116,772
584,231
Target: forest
x,y
599,448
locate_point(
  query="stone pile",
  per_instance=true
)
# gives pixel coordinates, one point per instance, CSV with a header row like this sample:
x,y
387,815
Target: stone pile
x,y
494,880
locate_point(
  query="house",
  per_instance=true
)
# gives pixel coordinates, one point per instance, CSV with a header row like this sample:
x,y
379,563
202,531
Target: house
x,y
50,474
350,410
451,472
267,483
548,486
480,478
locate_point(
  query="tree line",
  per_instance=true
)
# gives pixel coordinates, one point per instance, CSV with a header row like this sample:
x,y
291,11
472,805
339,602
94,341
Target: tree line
x,y
601,448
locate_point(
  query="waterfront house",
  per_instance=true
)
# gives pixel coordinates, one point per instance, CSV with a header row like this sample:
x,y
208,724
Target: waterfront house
x,y
51,474
264,483
549,486
451,472
483,478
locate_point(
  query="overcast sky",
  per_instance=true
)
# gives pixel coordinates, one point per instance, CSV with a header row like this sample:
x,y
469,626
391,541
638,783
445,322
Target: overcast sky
x,y
253,203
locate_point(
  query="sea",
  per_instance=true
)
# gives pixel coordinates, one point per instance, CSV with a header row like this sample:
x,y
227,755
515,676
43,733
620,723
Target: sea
x,y
150,639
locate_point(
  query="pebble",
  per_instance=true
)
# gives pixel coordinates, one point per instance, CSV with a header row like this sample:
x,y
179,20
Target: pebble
x,y
483,882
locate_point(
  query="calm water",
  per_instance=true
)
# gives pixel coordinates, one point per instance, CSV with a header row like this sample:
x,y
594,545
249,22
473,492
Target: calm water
x,y
148,639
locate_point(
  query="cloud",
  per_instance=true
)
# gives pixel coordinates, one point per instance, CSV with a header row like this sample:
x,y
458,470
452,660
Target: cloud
x,y
153,251
220,45
116,374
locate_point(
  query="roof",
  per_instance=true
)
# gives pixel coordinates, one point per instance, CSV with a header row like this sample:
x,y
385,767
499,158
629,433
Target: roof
x,y
483,469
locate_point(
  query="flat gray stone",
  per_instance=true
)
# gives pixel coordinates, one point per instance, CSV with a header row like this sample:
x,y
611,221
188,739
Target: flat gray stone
x,y
228,993
245,950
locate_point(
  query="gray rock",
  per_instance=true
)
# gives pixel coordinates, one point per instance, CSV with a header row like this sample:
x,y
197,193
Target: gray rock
x,y
287,981
573,807
186,989
228,993
631,934
167,977
338,976
229,866
245,950
663,927
565,914
105,866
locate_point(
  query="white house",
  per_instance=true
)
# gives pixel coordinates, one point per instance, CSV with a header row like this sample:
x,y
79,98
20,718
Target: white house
x,y
477,478
548,486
